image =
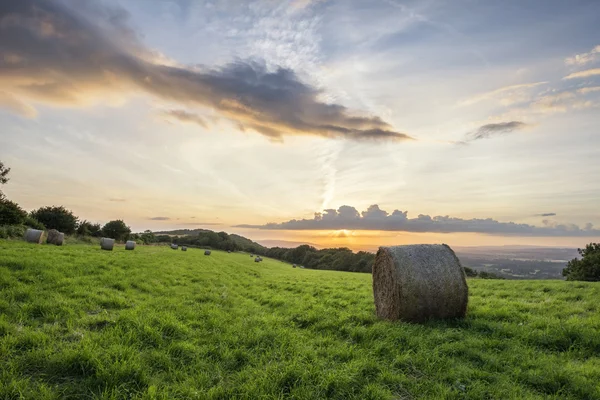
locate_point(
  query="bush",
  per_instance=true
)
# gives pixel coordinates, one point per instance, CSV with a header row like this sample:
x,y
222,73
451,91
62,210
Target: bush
x,y
586,269
12,231
86,228
58,218
116,230
31,222
470,272
10,212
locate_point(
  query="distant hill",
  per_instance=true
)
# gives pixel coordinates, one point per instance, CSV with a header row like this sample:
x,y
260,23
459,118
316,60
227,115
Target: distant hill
x,y
241,242
246,243
286,243
180,232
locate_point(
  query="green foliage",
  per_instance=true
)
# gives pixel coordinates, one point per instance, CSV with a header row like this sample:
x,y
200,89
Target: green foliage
x,y
77,322
86,228
33,223
587,268
147,237
116,230
56,217
3,174
341,259
10,212
12,231
470,272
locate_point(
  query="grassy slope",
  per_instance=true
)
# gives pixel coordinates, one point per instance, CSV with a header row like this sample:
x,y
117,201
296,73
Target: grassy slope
x,y
157,323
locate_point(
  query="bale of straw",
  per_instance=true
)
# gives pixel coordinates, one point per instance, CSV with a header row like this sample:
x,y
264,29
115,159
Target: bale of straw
x,y
33,236
183,248
174,246
294,266
55,237
257,259
418,282
129,245
207,252
107,244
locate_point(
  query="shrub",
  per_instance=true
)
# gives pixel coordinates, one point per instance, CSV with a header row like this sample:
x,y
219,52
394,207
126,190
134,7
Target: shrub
x,y
116,230
58,218
12,231
586,269
31,222
10,212
86,228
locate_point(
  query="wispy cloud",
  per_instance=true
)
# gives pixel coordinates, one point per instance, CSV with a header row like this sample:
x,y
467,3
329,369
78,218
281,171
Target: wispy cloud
x,y
185,116
506,90
584,58
159,219
117,200
583,74
374,218
489,130
63,56
546,215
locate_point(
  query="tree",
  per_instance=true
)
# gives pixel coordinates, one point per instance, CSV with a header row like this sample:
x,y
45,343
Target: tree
x,y
3,173
586,269
116,230
56,217
86,228
11,213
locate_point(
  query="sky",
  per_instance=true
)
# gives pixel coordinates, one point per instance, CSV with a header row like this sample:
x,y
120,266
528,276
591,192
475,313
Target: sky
x,y
337,123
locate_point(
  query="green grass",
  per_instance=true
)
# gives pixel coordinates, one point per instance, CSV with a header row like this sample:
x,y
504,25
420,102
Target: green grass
x,y
77,322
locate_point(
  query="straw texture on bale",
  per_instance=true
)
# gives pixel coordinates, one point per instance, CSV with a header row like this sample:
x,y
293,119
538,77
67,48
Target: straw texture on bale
x,y
174,246
207,252
417,282
183,248
34,236
107,244
129,245
55,237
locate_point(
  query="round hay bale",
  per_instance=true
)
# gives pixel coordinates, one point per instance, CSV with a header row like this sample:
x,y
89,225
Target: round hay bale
x,y
294,266
207,252
229,251
174,246
33,236
257,259
107,244
129,245
418,282
55,237
183,248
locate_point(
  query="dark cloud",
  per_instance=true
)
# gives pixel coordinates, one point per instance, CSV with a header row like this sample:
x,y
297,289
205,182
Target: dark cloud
x,y
546,215
374,218
486,131
159,219
70,52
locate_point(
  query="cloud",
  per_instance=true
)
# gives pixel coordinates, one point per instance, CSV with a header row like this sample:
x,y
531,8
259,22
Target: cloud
x,y
546,215
584,58
590,89
73,53
159,219
509,91
117,200
489,130
374,218
583,74
185,116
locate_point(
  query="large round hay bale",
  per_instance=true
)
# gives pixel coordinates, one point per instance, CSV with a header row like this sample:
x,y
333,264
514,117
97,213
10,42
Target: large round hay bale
x,y
183,248
174,246
107,244
129,245
257,259
418,282
207,252
34,235
55,237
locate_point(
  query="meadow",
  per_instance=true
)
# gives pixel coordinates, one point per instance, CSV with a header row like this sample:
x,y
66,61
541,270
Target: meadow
x,y
154,323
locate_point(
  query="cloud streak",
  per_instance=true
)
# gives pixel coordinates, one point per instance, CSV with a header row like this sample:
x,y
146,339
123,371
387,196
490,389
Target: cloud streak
x,y
584,58
159,219
546,215
374,218
74,53
489,130
583,74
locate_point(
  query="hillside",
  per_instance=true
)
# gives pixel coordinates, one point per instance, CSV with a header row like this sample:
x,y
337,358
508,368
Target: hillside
x,y
77,322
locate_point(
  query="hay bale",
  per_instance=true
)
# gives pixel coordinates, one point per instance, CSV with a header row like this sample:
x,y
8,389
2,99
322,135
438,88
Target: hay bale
x,y
207,252
55,237
107,244
33,236
418,282
229,251
183,248
294,266
174,246
129,245
257,259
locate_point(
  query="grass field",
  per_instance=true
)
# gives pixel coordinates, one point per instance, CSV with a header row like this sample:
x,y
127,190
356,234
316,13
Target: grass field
x,y
77,322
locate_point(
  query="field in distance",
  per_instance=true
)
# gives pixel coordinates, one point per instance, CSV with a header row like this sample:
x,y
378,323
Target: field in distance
x,y
154,323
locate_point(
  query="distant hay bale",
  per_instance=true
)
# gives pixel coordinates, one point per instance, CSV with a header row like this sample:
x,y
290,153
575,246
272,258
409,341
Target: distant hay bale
x,y
294,266
418,282
183,248
257,259
55,237
251,255
174,246
33,236
107,244
129,245
207,252
229,251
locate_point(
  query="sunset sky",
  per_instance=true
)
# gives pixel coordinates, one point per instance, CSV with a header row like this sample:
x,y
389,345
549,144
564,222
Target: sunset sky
x,y
346,123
